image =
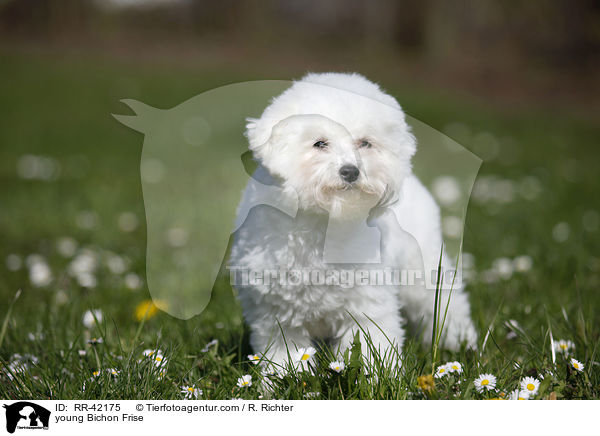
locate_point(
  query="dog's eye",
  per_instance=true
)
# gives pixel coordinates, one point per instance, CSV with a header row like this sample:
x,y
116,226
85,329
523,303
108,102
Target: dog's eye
x,y
320,144
365,144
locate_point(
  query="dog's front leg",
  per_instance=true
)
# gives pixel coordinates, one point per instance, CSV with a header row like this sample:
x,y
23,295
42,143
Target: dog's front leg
x,y
381,336
277,343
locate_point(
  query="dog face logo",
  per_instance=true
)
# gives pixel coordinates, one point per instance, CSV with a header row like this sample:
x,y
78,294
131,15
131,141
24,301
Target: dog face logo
x,y
26,415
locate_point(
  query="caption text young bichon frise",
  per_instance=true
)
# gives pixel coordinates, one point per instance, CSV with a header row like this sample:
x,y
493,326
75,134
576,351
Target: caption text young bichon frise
x,y
339,148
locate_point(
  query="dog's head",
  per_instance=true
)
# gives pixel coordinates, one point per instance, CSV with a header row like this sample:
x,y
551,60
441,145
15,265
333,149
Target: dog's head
x,y
337,141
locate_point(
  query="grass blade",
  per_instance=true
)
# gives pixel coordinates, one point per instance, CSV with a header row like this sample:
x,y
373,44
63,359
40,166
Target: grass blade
x,y
7,317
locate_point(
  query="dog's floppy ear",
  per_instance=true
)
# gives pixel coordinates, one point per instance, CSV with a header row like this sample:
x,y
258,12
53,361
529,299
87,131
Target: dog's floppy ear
x,y
253,134
257,142
251,125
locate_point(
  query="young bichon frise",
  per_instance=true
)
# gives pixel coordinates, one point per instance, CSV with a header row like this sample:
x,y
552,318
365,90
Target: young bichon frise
x,y
343,215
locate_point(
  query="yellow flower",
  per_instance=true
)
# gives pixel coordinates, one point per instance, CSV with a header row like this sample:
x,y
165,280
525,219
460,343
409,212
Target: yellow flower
x,y
426,383
146,309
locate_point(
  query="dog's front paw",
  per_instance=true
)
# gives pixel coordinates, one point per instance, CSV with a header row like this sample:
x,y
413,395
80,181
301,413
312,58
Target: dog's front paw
x,y
459,331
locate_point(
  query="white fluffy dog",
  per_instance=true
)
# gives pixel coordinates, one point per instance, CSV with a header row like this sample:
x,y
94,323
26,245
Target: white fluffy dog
x,y
338,147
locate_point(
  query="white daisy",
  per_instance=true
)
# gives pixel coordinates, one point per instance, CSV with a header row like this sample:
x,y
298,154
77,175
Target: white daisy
x,y
485,382
150,353
564,346
270,371
116,264
66,246
441,371
85,262
530,385
90,317
454,367
503,266
95,341
191,392
446,189
33,359
82,353
304,354
244,381
337,366
519,395
254,358
159,361
132,281
212,343
39,272
113,371
523,263
38,336
16,368
577,365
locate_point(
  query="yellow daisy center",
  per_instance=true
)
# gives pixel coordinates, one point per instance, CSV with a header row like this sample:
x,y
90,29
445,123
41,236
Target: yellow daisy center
x,y
442,370
454,367
96,372
530,386
563,346
244,383
576,365
305,357
521,398
485,382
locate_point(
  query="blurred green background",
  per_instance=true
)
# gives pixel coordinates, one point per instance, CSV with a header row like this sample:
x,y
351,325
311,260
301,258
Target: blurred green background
x,y
516,83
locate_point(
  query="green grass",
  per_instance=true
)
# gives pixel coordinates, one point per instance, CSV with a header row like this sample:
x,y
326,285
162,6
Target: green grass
x,y
61,109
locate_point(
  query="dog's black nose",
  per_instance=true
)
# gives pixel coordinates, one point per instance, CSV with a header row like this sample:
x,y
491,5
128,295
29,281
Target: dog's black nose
x,y
349,173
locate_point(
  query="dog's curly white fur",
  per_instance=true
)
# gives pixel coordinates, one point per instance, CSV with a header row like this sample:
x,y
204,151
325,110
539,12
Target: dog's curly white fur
x,y
304,138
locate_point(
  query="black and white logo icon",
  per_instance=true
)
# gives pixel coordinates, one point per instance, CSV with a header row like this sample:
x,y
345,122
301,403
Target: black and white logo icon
x,y
26,415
